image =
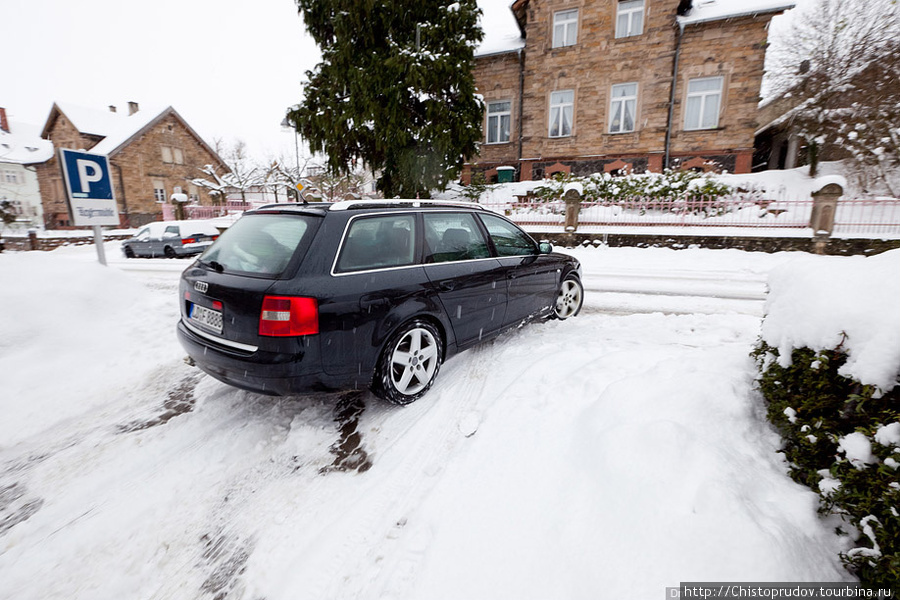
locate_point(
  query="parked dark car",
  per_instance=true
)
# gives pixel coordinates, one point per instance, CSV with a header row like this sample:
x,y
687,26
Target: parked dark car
x,y
171,239
295,298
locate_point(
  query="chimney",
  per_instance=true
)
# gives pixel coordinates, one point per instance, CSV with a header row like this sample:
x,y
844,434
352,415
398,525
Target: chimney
x,y
132,108
112,108
4,124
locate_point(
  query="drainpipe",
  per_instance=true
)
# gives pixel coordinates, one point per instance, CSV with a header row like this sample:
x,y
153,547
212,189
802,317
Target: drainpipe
x,y
124,201
672,95
521,102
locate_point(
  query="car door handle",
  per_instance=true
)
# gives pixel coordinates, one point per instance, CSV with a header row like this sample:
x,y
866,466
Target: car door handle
x,y
446,286
511,275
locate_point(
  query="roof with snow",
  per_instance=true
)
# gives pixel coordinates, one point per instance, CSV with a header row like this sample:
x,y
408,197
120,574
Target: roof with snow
x,y
703,11
115,129
501,31
23,144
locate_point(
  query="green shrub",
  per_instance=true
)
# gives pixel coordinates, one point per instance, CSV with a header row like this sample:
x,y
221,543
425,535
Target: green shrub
x,y
815,407
476,188
645,187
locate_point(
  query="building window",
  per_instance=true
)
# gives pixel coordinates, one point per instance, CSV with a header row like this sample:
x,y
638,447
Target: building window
x,y
193,194
704,100
629,18
159,191
166,154
623,108
561,111
498,120
565,28
178,155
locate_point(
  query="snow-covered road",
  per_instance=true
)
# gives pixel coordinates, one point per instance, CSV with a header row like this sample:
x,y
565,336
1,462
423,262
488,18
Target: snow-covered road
x,y
608,456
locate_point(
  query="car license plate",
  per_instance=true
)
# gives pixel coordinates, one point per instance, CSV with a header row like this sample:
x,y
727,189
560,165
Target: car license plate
x,y
207,317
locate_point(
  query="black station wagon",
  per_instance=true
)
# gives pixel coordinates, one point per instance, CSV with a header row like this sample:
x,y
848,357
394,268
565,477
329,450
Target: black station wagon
x,y
295,298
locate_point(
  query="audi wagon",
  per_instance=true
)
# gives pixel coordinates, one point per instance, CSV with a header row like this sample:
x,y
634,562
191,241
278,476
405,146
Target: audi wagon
x,y
295,298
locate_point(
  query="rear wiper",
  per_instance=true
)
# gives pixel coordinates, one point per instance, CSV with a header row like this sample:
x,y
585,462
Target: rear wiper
x,y
217,266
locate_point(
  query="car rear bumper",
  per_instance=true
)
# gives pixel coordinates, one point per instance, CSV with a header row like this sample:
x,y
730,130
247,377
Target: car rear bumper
x,y
191,249
273,373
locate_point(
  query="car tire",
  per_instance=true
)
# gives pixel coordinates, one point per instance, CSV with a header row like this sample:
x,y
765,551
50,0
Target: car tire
x,y
170,252
569,299
129,253
409,363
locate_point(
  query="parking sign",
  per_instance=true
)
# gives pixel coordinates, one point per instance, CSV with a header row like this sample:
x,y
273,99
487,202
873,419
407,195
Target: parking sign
x,y
89,188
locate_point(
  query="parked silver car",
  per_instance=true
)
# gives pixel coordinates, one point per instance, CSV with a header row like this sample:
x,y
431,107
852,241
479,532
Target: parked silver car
x,y
171,239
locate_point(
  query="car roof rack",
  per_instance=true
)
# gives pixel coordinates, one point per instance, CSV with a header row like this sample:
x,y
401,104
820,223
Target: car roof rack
x,y
412,203
317,207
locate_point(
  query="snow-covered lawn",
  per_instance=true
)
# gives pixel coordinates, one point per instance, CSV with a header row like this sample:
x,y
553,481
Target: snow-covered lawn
x,y
605,457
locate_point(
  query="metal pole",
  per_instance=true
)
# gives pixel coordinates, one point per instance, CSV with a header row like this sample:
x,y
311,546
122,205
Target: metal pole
x,y
98,241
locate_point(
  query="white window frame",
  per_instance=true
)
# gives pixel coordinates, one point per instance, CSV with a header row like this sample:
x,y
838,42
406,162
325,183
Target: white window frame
x,y
622,103
629,9
565,28
495,122
561,107
704,97
159,192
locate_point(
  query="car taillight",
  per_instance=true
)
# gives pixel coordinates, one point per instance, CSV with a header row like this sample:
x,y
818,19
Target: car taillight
x,y
189,241
289,315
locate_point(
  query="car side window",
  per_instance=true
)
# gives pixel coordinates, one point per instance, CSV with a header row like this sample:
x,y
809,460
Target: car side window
x,y
172,231
143,235
508,239
378,242
453,236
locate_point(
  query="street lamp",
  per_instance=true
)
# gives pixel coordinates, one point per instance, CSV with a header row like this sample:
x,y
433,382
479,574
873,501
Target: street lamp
x,y
285,124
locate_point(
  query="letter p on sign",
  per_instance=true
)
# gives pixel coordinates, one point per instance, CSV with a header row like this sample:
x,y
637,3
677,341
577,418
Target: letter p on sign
x,y
86,178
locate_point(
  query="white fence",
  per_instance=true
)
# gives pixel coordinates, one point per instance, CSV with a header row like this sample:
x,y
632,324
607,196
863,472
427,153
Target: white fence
x,y
867,217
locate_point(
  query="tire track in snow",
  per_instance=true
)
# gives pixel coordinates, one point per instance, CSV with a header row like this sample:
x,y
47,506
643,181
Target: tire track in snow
x,y
415,442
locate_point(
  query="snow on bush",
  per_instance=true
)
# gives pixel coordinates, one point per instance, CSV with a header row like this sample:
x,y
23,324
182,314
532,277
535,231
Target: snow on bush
x,y
829,364
854,306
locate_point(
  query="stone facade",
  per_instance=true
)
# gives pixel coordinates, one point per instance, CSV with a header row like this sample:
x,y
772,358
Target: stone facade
x,y
165,154
732,50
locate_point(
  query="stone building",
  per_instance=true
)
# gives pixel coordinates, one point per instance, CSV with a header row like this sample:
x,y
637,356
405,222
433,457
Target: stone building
x,y
21,148
611,85
152,155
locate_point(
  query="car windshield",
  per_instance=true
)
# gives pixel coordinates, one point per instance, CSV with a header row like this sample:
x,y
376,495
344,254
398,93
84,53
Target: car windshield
x,y
261,244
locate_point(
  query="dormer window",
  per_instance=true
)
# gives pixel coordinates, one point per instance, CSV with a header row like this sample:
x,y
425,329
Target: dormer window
x,y
629,18
565,28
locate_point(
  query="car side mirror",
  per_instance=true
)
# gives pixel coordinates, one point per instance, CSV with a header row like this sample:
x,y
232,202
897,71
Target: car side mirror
x,y
546,248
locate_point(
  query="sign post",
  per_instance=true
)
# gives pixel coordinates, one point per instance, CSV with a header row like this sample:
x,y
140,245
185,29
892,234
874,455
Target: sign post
x,y
89,192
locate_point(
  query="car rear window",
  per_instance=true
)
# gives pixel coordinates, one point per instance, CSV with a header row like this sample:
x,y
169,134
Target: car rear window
x,y
261,244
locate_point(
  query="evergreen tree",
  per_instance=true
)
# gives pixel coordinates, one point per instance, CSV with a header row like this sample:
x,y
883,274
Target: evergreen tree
x,y
394,90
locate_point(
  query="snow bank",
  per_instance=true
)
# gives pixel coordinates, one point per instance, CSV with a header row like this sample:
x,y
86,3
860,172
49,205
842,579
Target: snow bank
x,y
76,331
852,303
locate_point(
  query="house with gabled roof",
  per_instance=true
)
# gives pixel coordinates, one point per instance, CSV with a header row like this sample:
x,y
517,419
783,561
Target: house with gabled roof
x,y
592,86
152,155
21,149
